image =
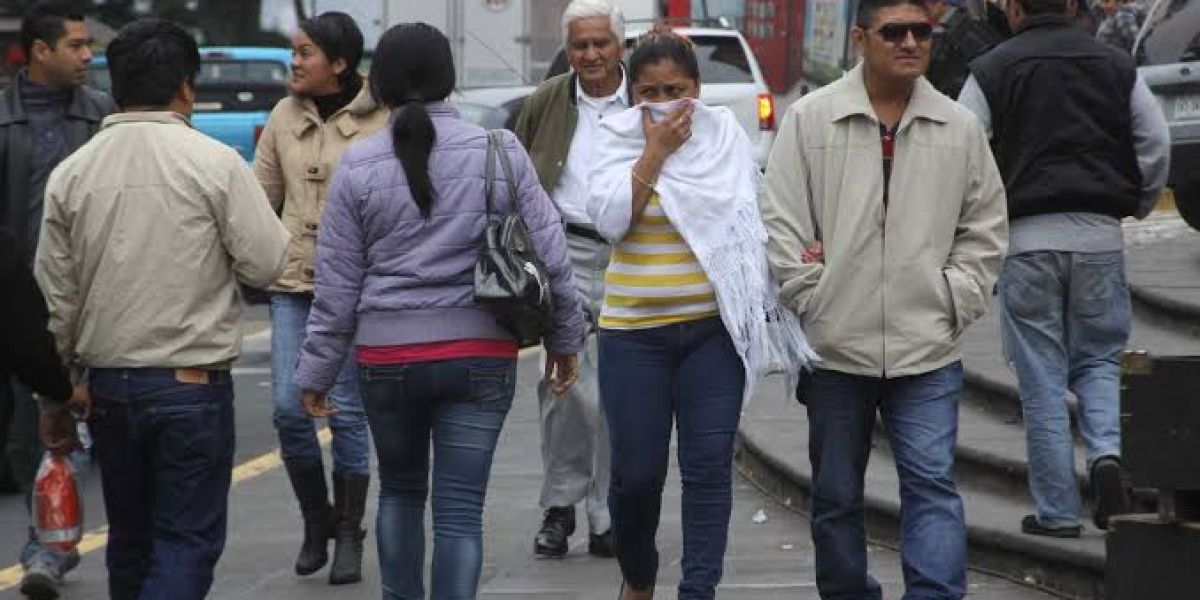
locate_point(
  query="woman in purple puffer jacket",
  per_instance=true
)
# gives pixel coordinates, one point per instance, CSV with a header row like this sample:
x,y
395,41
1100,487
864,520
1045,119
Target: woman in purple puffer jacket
x,y
396,252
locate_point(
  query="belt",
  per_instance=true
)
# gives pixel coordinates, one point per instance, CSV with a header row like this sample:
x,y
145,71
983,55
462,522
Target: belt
x,y
201,375
584,231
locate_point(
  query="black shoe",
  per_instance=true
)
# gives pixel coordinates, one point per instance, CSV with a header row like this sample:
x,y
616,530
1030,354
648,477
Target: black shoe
x,y
1107,491
308,482
1031,526
601,545
39,584
557,527
350,503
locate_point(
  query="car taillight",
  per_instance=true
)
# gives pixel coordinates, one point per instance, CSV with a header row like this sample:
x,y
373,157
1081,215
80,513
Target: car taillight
x,y
766,112
258,129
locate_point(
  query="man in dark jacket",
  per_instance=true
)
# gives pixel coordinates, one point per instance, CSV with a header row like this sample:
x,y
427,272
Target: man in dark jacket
x,y
28,352
960,36
44,116
1081,143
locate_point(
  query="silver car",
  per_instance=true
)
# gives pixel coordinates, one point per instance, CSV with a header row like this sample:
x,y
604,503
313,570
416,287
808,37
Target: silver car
x,y
1168,56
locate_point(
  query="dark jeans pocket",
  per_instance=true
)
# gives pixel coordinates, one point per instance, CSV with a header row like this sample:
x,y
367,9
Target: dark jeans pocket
x,y
197,425
493,383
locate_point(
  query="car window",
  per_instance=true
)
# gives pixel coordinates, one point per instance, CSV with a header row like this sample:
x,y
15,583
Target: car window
x,y
721,58
211,72
1173,35
231,71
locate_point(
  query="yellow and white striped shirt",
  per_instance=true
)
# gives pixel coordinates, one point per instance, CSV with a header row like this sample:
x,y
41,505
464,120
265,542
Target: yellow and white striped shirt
x,y
654,279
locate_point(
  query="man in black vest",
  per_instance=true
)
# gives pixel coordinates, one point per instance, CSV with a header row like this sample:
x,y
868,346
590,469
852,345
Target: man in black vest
x,y
1081,144
45,115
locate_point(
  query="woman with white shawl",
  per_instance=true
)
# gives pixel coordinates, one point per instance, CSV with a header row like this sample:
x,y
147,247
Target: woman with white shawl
x,y
690,317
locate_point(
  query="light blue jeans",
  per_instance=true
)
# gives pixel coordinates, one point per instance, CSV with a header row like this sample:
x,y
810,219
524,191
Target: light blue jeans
x,y
297,432
1065,321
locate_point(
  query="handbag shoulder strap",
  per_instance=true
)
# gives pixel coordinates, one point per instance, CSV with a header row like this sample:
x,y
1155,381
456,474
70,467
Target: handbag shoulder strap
x,y
506,164
489,172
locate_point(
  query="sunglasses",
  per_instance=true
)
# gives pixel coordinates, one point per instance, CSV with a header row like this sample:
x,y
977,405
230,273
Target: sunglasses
x,y
895,33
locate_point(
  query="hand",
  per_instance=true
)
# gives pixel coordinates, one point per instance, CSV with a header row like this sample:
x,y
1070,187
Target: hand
x,y
814,254
80,403
317,404
666,136
56,428
562,370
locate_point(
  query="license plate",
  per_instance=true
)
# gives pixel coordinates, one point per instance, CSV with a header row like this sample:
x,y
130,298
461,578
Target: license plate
x,y
208,107
1187,107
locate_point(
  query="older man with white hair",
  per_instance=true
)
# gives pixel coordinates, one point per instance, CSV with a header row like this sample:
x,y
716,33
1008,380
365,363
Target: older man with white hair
x,y
558,126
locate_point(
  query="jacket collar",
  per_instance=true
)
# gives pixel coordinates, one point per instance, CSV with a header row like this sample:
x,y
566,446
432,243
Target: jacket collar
x,y
346,119
622,92
1039,21
574,89
164,117
853,101
12,109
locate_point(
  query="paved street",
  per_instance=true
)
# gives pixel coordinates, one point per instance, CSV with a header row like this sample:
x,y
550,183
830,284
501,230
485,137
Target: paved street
x,y
765,561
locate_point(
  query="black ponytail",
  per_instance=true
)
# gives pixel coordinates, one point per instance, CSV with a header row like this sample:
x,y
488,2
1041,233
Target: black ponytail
x,y
413,65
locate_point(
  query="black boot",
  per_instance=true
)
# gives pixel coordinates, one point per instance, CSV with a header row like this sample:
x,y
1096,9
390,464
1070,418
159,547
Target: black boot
x,y
308,481
557,527
350,502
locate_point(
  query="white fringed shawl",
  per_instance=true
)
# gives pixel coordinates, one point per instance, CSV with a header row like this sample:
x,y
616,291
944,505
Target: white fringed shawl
x,y
709,190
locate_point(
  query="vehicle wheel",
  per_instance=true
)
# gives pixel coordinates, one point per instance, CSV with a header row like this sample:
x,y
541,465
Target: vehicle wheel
x,y
1187,201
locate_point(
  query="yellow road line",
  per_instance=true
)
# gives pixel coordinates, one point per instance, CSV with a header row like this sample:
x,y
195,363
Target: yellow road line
x,y
98,538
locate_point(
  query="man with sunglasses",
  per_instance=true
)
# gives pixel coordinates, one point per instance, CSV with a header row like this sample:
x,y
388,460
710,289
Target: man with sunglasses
x,y
1082,143
887,262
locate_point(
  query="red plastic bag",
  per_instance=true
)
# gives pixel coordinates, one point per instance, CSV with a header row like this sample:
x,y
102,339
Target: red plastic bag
x,y
57,508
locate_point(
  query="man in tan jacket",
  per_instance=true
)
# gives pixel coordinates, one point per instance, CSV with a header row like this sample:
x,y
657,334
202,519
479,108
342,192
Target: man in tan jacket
x,y
147,230
886,217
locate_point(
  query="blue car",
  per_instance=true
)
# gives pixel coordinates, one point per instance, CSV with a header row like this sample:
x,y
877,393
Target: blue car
x,y
235,91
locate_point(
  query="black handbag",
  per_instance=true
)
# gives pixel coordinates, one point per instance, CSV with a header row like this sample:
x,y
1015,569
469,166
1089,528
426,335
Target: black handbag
x,y
510,279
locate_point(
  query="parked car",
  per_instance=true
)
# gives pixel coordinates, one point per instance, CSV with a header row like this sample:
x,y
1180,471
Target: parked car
x,y
729,75
1168,55
235,91
492,107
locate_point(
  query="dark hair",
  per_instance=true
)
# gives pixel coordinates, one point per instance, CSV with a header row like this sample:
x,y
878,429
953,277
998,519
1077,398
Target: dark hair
x,y
1044,7
338,36
660,43
864,16
47,21
148,61
413,65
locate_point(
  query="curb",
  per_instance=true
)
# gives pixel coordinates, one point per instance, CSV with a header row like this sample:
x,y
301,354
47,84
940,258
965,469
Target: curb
x,y
1172,306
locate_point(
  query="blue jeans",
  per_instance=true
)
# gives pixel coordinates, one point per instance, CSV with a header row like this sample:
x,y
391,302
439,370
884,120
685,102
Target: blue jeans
x,y
297,432
920,415
689,373
1065,322
165,450
461,404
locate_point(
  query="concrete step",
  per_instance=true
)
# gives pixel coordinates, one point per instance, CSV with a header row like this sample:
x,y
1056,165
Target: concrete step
x,y
773,451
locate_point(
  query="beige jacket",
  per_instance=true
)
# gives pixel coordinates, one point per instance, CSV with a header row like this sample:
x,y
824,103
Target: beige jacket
x,y
295,160
897,286
146,231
